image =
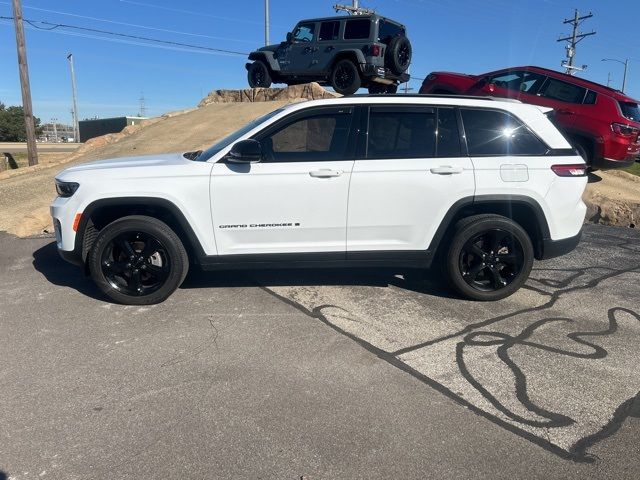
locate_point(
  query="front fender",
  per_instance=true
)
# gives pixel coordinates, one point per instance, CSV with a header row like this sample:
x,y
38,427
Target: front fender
x,y
267,57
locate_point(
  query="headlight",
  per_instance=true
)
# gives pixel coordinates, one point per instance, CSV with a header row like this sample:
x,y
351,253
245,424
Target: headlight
x,y
66,189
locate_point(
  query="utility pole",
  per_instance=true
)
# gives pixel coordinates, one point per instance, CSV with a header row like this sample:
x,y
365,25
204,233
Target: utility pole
x,y
624,75
573,40
27,107
76,130
354,9
266,22
608,79
143,105
55,129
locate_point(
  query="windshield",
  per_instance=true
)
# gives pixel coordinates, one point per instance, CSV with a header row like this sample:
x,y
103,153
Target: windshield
x,y
630,110
229,139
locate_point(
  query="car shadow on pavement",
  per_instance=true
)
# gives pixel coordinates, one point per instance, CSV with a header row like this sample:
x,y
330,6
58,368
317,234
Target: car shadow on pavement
x,y
47,261
429,282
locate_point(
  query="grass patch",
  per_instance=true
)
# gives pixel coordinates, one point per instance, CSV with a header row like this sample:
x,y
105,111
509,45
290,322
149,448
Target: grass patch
x,y
634,169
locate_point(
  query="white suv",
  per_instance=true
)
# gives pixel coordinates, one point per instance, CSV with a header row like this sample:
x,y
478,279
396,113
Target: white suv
x,y
482,185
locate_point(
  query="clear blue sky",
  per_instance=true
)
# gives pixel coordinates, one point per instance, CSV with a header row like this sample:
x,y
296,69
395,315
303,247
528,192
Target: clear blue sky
x,y
456,35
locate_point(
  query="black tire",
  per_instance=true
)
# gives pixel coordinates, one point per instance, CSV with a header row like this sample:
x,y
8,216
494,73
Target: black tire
x,y
345,77
380,89
138,260
489,258
258,75
584,152
398,55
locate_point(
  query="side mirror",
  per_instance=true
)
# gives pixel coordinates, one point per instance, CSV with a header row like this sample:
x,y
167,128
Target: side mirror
x,y
245,151
289,37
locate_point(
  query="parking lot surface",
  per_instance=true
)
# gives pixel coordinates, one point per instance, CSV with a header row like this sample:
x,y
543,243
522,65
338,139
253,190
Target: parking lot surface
x,y
325,374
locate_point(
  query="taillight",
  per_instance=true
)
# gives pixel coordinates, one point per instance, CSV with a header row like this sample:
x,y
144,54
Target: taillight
x,y
375,50
575,170
624,130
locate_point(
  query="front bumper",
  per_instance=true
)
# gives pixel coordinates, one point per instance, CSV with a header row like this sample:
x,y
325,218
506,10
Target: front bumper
x,y
556,248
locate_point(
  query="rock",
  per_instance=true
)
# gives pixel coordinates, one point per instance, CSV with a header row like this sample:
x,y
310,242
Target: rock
x,y
307,91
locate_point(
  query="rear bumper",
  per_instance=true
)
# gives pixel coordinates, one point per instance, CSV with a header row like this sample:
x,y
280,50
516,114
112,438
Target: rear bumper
x,y
556,248
373,72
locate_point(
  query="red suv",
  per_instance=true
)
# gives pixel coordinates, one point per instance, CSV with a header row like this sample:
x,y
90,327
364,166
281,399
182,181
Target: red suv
x,y
603,124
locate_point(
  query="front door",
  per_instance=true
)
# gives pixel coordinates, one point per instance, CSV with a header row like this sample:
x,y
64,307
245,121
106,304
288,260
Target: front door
x,y
295,199
412,172
299,55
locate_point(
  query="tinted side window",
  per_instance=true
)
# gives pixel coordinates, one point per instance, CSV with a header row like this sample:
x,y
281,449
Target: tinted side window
x,y
329,31
304,32
388,30
448,135
355,29
490,133
563,91
519,81
315,138
401,134
590,97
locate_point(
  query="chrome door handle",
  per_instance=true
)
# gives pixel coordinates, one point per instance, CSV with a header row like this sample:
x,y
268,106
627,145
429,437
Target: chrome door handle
x,y
446,170
325,173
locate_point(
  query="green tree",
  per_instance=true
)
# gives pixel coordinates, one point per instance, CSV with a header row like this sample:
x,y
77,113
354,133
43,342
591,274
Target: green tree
x,y
12,124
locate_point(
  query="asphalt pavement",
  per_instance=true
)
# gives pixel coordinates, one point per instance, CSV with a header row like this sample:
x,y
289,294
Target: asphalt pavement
x,y
323,374
21,147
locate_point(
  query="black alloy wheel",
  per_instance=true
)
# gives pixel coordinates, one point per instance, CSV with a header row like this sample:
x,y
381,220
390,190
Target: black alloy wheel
x,y
345,78
258,75
404,56
491,260
138,260
489,257
135,263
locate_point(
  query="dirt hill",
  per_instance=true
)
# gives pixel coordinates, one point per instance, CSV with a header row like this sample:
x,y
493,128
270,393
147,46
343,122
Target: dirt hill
x,y
26,193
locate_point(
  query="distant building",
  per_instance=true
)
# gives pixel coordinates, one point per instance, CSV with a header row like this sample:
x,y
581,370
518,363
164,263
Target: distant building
x,y
102,126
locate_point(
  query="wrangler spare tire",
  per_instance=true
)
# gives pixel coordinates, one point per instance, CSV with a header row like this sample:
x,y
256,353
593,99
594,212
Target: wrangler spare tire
x,y
398,55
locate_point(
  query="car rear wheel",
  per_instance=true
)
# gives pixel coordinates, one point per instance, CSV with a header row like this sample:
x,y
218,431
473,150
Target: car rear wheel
x,y
584,152
345,78
138,260
398,55
258,75
489,258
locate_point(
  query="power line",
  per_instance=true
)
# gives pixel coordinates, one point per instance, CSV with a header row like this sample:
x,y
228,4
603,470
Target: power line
x,y
190,12
114,22
48,26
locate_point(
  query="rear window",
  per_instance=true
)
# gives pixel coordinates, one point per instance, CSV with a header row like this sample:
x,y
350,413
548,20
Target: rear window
x,y
494,133
356,29
563,91
388,31
630,110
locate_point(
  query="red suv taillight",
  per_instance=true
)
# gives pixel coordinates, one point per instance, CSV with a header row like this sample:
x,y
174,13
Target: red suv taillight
x,y
625,130
375,50
574,170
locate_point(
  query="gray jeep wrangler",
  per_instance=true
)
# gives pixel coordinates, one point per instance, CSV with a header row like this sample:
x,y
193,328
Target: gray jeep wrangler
x,y
346,52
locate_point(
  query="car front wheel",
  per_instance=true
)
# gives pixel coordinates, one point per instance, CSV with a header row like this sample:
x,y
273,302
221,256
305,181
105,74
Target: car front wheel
x,y
138,260
258,75
489,258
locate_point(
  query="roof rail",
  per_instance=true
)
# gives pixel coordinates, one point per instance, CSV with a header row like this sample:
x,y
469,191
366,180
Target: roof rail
x,y
434,95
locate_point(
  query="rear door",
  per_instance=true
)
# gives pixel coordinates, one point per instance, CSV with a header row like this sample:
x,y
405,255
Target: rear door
x,y
508,158
565,98
410,171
